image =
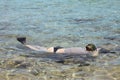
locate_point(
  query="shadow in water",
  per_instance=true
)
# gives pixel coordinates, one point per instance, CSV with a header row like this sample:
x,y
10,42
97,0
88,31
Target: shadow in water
x,y
83,60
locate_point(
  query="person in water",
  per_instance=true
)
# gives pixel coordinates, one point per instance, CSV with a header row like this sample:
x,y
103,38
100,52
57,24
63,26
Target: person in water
x,y
89,49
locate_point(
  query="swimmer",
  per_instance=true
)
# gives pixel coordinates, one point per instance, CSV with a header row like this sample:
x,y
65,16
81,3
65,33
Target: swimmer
x,y
89,49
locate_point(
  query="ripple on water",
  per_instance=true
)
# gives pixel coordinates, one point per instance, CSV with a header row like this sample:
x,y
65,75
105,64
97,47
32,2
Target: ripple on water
x,y
53,23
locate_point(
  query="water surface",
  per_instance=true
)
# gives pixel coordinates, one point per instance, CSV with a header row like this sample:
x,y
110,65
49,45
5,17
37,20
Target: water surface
x,y
65,23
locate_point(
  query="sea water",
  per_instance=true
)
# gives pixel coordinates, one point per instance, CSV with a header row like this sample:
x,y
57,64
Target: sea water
x,y
66,23
60,22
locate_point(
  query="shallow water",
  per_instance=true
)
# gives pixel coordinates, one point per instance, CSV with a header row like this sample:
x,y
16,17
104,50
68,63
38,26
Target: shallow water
x,y
60,22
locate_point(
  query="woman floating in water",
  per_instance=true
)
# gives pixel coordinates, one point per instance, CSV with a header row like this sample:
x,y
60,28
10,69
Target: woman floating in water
x,y
90,48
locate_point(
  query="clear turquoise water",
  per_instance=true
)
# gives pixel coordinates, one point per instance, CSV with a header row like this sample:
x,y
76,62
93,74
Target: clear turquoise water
x,y
60,22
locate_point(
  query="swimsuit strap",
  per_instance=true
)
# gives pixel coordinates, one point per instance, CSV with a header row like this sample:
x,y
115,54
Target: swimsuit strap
x,y
56,48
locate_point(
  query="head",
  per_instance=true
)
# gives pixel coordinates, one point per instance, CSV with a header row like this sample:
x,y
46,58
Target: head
x,y
91,47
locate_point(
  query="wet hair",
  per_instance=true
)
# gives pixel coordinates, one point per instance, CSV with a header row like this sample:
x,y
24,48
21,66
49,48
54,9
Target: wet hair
x,y
91,47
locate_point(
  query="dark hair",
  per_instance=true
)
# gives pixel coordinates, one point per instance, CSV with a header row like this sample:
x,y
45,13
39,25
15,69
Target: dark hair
x,y
91,47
